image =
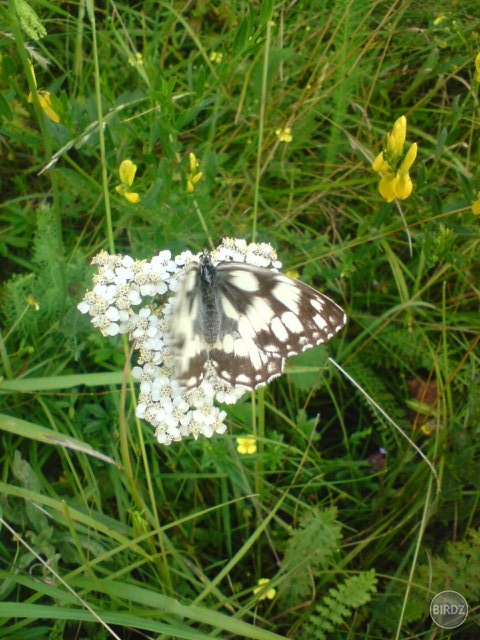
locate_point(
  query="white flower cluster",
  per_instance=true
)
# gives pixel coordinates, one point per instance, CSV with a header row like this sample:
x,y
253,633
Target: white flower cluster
x,y
121,286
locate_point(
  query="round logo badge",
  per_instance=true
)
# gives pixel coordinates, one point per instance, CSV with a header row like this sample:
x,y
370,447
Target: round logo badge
x,y
448,609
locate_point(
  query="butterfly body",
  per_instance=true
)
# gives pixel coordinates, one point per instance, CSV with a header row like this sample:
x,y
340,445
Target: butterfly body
x,y
210,308
240,322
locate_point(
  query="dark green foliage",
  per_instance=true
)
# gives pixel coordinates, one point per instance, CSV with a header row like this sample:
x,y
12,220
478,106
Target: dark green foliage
x,y
456,568
374,385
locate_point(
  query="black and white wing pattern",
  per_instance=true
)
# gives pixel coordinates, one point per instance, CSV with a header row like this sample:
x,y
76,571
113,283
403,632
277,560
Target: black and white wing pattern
x,y
240,322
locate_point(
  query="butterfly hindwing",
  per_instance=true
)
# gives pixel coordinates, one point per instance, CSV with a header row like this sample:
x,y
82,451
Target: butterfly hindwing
x,y
244,321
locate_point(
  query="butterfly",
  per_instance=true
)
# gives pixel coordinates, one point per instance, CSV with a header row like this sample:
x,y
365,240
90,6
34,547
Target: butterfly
x,y
240,322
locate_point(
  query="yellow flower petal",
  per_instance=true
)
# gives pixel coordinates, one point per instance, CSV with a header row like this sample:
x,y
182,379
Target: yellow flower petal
x,y
396,139
409,158
46,104
476,206
403,185
387,187
477,66
127,172
131,197
194,163
45,101
380,165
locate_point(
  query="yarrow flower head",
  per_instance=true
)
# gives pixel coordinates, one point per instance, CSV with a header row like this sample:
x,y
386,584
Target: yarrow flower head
x,y
126,173
121,303
394,164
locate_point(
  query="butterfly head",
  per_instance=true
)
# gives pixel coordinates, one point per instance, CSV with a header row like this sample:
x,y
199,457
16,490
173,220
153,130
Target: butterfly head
x,y
207,271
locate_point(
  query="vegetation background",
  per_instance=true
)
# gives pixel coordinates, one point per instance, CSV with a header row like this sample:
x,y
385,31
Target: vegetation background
x,y
104,533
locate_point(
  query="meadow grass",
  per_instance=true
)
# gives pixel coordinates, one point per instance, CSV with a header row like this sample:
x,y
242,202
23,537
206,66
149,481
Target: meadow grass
x,y
359,499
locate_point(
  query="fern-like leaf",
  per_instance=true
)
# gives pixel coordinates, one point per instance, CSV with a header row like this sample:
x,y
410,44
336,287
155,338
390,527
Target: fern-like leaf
x,y
339,605
310,550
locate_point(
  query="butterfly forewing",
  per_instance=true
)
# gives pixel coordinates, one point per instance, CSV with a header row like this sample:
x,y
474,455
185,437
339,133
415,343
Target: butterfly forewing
x,y
244,321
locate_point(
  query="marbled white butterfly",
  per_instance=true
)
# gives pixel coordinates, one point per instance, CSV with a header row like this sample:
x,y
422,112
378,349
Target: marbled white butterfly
x,y
240,322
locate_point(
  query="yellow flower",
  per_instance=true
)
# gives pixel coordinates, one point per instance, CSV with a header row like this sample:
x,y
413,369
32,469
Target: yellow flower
x,y
396,138
44,99
246,445
45,102
193,162
126,173
394,164
409,158
476,205
137,61
270,594
216,56
131,197
32,302
284,135
194,176
428,428
439,19
380,165
477,67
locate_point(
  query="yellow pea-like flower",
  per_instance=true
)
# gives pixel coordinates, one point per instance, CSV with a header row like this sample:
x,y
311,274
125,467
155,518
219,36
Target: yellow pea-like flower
x,y
393,164
126,172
